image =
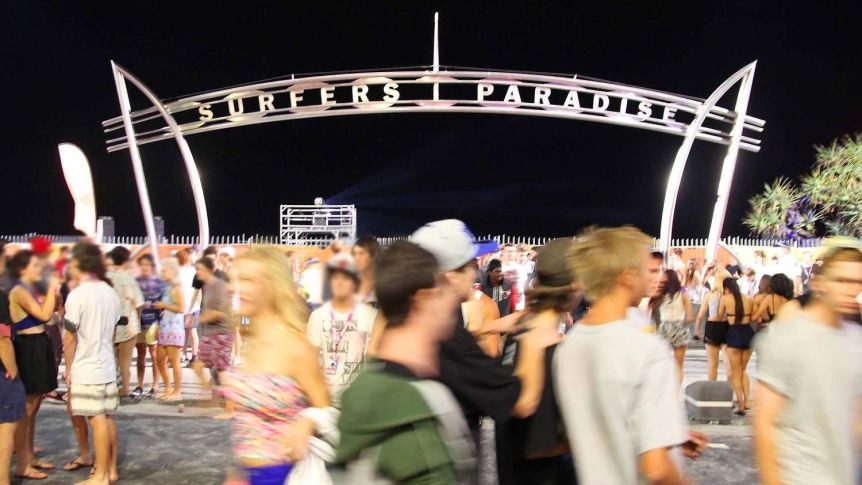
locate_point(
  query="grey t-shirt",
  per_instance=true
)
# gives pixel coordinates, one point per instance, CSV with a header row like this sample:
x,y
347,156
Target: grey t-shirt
x,y
216,297
618,393
816,368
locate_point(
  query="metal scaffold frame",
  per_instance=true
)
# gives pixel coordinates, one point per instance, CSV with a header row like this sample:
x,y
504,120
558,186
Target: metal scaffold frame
x,y
317,225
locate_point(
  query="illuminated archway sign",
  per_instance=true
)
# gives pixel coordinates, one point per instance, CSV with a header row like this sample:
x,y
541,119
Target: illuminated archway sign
x,y
450,90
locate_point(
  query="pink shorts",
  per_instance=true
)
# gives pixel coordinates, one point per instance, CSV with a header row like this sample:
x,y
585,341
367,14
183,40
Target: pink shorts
x,y
214,351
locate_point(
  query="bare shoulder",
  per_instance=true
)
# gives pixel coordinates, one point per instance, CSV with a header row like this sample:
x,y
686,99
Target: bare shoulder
x,y
297,347
16,292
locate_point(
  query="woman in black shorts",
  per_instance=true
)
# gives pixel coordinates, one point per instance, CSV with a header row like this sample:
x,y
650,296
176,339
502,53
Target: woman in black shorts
x,y
780,292
736,308
36,365
715,333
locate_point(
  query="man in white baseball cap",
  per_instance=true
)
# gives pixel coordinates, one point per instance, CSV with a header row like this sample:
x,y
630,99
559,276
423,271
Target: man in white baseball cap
x,y
482,386
451,243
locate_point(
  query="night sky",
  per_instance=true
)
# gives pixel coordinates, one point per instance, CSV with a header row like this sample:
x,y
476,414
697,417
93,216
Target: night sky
x,y
501,174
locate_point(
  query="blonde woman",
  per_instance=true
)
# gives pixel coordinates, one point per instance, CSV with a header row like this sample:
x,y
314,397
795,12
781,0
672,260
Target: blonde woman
x,y
172,334
281,373
715,332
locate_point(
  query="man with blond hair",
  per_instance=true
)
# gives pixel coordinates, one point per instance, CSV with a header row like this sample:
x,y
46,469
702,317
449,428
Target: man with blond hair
x,y
617,386
807,420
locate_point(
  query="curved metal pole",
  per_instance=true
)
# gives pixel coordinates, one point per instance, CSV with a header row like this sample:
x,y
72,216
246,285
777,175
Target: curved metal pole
x,y
675,178
185,151
137,166
729,165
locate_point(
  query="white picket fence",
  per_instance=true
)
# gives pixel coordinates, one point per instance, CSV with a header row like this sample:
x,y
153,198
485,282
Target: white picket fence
x,y
245,239
675,243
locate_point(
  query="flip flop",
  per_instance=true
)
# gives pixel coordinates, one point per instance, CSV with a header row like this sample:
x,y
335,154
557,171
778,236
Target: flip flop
x,y
75,465
31,476
43,466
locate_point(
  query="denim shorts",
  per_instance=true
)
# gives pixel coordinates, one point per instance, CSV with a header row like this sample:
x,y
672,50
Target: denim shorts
x,y
11,399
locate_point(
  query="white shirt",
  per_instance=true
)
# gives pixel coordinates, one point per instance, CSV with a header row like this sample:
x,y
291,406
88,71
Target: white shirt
x,y
93,309
618,393
311,281
187,277
816,368
748,287
343,340
131,298
517,274
790,267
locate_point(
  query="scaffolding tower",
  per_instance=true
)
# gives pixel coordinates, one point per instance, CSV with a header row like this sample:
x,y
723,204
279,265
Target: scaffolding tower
x,y
318,224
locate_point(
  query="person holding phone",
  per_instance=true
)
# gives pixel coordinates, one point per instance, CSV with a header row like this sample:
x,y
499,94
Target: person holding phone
x,y
30,310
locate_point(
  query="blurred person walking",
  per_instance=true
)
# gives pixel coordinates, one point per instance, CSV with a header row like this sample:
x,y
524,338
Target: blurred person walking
x,y
217,330
482,386
616,385
397,425
807,407
33,350
534,448
280,376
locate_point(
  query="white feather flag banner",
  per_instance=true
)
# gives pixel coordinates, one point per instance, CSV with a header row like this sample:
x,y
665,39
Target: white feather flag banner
x,y
76,169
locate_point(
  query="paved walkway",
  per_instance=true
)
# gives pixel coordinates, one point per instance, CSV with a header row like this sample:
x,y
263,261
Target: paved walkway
x,y
161,445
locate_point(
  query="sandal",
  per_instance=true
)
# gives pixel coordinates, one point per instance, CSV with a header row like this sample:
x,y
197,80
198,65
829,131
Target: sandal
x,y
37,475
75,465
42,466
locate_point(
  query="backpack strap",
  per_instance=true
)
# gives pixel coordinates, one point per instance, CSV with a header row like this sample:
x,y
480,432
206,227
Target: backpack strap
x,y
452,427
364,469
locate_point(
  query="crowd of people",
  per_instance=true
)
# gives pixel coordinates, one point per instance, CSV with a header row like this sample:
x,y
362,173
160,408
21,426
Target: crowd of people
x,y
387,363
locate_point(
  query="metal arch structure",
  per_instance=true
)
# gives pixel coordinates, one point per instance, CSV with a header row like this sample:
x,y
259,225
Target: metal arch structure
x,y
120,77
746,76
435,90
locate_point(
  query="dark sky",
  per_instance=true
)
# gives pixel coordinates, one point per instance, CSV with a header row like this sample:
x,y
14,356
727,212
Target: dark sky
x,y
501,174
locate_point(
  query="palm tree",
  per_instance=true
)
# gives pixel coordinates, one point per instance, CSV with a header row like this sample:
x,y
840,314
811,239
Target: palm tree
x,y
829,198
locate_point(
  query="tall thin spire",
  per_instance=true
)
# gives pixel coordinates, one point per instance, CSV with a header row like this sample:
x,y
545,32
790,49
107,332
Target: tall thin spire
x,y
436,65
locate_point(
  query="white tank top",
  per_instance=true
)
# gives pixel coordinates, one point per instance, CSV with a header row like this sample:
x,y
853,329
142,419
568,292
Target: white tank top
x,y
672,309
